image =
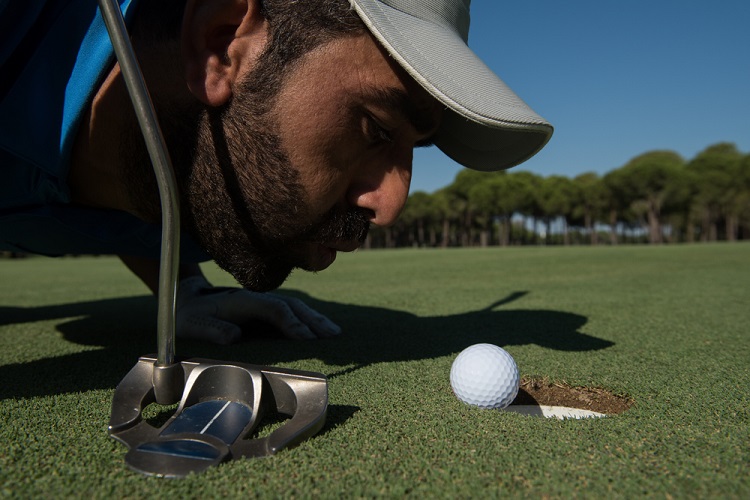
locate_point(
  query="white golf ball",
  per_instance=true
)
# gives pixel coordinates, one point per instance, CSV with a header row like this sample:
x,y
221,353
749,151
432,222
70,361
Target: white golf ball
x,y
486,376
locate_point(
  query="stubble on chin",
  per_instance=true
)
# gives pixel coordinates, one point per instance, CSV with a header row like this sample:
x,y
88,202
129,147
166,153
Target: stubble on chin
x,y
214,210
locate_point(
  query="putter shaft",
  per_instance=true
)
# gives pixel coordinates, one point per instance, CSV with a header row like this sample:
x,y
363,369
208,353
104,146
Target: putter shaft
x,y
166,180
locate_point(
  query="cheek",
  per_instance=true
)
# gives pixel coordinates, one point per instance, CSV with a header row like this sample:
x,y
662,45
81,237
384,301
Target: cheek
x,y
320,147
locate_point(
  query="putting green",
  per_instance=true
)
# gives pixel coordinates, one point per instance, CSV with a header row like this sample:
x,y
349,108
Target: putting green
x,y
663,326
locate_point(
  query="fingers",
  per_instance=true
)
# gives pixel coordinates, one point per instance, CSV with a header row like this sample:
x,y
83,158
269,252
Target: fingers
x,y
243,305
320,325
207,328
189,288
217,314
295,319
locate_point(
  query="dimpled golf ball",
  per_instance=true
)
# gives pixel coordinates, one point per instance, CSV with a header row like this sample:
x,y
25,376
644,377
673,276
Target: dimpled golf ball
x,y
486,376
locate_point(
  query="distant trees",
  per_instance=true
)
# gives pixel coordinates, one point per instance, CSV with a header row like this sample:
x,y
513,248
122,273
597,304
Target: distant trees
x,y
648,183
720,190
556,197
657,197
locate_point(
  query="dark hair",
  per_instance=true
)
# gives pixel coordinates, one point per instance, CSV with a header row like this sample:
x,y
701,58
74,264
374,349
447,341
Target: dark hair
x,y
297,27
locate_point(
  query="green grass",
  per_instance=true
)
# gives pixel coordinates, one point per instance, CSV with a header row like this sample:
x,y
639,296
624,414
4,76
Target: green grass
x,y
666,326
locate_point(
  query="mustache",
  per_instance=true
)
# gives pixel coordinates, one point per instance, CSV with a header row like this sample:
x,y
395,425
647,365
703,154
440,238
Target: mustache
x,y
351,224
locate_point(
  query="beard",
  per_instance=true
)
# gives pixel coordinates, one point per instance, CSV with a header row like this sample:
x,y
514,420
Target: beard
x,y
241,197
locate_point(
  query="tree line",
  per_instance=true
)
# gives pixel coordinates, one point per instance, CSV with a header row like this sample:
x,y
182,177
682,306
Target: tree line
x,y
657,197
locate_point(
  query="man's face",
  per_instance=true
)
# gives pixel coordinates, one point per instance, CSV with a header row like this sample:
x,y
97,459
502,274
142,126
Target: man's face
x,y
285,186
348,123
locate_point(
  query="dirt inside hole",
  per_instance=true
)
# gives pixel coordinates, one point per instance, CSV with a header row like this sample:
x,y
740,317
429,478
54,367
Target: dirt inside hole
x,y
547,393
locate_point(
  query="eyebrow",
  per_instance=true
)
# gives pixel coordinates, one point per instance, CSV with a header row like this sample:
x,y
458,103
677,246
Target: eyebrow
x,y
397,101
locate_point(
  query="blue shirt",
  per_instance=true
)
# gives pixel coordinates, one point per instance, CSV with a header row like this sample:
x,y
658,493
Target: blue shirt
x,y
53,57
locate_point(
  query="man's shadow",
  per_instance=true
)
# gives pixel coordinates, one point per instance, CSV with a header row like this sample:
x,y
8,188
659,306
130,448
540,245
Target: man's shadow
x,y
125,328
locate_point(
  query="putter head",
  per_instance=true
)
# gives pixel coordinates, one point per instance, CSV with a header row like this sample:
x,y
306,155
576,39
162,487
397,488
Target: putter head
x,y
221,405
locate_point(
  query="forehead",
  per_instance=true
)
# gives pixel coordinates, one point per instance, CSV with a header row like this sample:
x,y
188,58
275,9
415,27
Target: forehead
x,y
360,66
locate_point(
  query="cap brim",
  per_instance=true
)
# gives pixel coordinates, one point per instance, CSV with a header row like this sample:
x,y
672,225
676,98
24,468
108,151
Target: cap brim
x,y
486,126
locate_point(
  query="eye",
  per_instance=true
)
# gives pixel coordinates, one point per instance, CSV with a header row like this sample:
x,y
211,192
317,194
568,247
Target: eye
x,y
374,132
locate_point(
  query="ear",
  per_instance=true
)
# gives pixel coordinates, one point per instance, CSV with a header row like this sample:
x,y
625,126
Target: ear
x,y
220,41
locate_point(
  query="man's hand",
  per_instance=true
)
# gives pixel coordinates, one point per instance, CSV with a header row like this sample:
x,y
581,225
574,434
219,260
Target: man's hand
x,y
215,314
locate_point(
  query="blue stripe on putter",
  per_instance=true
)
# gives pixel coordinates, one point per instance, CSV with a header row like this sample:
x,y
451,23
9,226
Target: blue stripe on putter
x,y
222,419
188,448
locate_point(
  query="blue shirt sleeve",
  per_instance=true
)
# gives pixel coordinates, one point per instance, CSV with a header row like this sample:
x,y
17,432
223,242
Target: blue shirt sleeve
x,y
53,56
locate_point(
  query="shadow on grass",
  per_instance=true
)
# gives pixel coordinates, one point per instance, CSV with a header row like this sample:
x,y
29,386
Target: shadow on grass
x,y
125,328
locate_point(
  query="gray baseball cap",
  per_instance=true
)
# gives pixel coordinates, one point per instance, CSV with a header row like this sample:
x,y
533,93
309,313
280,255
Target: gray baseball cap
x,y
486,126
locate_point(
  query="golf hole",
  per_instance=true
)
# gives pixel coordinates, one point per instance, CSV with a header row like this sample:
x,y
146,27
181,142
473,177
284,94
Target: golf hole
x,y
543,398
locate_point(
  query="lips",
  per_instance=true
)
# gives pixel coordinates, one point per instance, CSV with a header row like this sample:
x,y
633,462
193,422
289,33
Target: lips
x,y
343,246
322,255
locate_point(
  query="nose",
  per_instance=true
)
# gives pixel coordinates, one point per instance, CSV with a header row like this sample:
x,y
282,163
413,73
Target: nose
x,y
382,190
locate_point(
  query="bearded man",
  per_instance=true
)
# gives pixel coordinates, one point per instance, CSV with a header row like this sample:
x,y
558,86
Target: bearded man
x,y
291,126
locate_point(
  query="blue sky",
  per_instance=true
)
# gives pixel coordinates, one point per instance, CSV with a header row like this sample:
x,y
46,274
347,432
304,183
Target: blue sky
x,y
616,79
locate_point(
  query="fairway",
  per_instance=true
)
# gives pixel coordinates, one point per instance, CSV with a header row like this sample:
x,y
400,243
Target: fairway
x,y
665,326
